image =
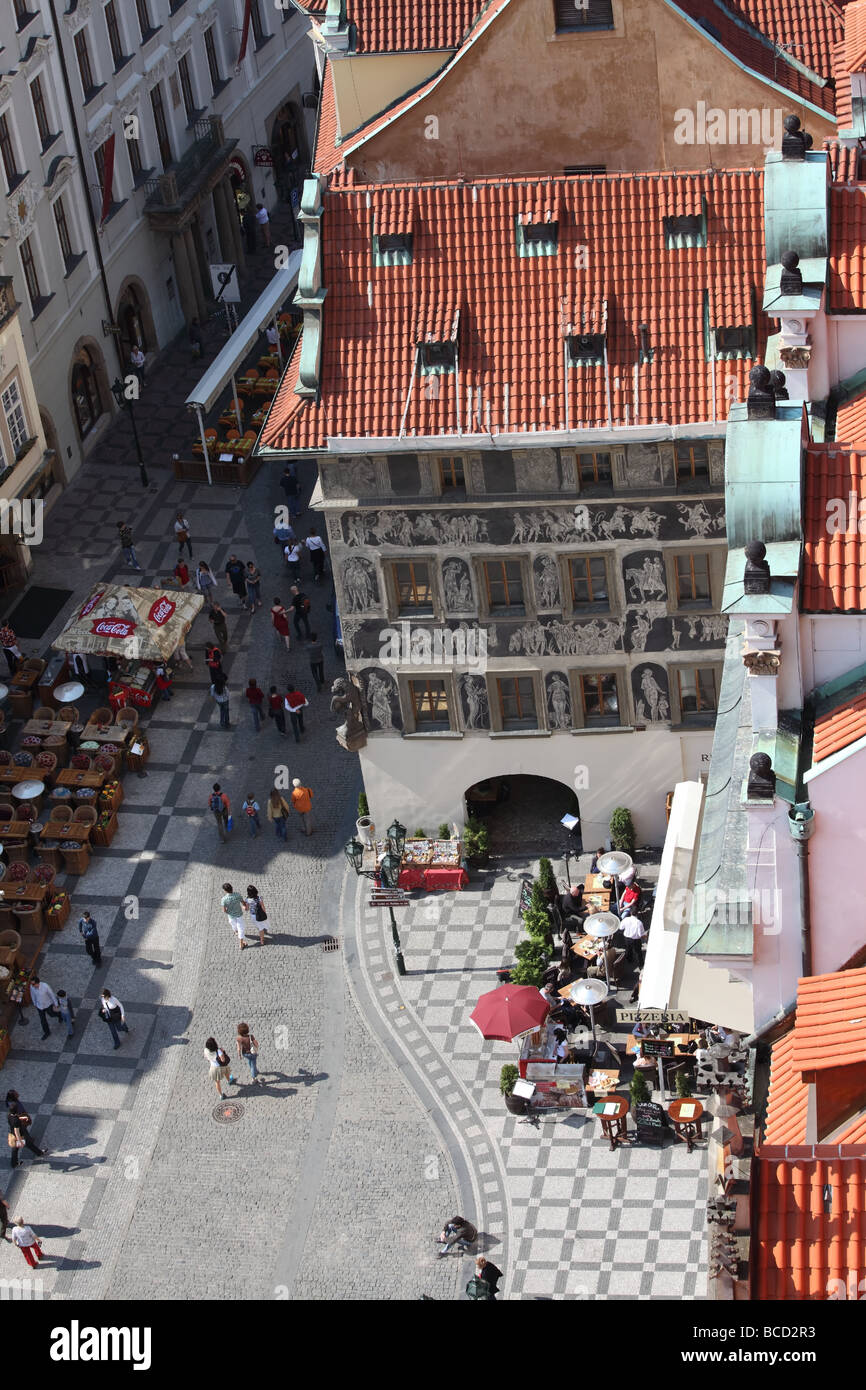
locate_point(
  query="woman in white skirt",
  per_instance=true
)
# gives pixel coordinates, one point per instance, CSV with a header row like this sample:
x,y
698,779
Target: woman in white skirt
x,y
220,1065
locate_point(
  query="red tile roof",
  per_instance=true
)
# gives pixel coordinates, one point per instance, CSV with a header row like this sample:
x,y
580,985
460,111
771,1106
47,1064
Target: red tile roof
x,y
844,159
805,1236
804,28
839,728
830,1030
834,561
847,278
327,154
512,374
855,36
405,26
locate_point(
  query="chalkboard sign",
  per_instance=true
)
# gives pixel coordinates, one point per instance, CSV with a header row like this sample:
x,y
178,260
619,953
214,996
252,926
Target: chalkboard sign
x,y
657,1047
651,1122
525,900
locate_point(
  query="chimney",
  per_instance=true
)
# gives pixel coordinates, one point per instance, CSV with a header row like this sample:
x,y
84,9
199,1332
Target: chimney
x,y
756,578
792,277
795,142
761,402
762,779
646,352
778,387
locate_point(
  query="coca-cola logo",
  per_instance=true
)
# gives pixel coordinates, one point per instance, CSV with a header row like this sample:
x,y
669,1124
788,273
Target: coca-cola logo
x,y
112,627
161,611
91,604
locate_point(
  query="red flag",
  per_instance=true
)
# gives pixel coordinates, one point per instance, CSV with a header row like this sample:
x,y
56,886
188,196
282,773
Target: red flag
x,y
107,179
246,31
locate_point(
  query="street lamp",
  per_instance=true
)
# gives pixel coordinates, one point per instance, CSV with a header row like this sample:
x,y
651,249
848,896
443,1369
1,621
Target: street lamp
x,y
388,872
119,394
600,926
614,863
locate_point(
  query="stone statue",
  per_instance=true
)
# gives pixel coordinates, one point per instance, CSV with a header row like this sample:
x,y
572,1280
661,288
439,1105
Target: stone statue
x,y
762,779
475,698
558,701
346,699
379,700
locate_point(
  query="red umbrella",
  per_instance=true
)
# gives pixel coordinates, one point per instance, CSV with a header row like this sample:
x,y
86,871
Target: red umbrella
x,y
509,1011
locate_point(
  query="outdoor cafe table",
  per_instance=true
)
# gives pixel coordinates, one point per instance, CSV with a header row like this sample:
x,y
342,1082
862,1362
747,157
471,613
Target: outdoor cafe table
x,y
72,777
11,776
113,733
614,1124
686,1115
65,830
595,896
586,946
25,892
14,830
23,680
45,728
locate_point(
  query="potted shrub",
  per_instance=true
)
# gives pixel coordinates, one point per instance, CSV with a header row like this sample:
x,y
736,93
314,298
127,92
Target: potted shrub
x,y
420,835
364,826
536,919
684,1084
639,1089
622,833
480,856
444,831
532,961
516,1105
546,880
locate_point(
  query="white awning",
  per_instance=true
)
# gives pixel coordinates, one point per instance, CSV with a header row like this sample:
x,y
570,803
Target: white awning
x,y
208,389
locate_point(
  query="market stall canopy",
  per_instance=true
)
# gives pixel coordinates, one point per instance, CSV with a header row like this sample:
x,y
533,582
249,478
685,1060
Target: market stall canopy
x,y
508,1012
133,624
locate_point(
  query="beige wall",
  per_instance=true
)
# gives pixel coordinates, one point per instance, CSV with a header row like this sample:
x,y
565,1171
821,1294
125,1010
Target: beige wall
x,y
14,366
524,100
366,84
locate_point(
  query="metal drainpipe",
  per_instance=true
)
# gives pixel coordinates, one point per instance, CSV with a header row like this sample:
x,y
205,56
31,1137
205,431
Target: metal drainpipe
x,y
801,824
777,1018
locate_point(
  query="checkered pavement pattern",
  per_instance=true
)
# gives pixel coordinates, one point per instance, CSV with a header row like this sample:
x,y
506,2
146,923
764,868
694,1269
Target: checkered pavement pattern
x,y
584,1222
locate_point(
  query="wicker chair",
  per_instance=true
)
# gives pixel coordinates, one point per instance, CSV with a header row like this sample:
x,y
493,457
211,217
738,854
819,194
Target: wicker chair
x,y
58,746
85,815
42,873
104,762
16,851
8,923
103,715
126,717
10,945
45,712
26,811
7,811
5,757
23,758
29,919
46,765
61,813
68,715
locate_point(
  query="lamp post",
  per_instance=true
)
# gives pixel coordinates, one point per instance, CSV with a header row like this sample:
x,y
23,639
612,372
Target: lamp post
x,y
601,926
388,872
119,394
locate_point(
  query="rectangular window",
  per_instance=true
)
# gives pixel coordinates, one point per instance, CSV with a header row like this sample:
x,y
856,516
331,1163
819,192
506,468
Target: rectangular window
x,y
451,474
593,468
159,121
536,238
99,161
732,340
693,462
212,60
504,583
697,692
517,702
599,697
133,149
63,233
429,704
37,96
594,169
16,419
575,15
437,357
28,265
143,18
412,583
693,580
7,150
588,581
256,19
585,349
113,28
85,72
186,88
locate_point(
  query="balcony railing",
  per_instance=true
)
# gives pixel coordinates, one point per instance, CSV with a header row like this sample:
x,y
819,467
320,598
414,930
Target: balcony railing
x,y
168,189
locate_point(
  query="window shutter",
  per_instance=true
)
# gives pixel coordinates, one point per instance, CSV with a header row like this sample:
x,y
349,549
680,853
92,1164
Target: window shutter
x,y
589,14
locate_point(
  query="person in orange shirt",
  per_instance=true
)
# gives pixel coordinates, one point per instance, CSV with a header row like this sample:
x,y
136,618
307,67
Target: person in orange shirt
x,y
302,800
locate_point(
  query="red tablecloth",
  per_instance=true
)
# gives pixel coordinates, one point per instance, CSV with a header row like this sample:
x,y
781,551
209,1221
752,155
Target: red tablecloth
x,y
442,879
412,876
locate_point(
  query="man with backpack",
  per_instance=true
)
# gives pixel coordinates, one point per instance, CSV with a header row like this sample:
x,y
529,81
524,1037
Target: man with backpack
x,y
221,808
301,605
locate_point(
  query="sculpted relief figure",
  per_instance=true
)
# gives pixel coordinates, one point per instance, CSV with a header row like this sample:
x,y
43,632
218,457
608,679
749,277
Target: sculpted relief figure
x,y
475,703
696,519
547,582
646,522
457,586
652,706
646,582
558,701
346,699
379,699
359,583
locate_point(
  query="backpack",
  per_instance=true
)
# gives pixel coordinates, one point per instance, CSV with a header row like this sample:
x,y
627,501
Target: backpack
x,y
306,605
216,802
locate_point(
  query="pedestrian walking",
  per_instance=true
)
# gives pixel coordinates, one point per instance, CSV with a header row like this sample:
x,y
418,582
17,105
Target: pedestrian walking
x,y
256,908
278,813
221,809
263,223
280,620
19,1123
4,1216
111,1012
235,576
90,933
292,553
180,653
248,1048
295,704
126,545
283,533
256,698
11,649
316,659
251,810
214,661
487,1271
163,684
136,362
16,997
254,587
220,697
44,1001
182,534
302,800
181,574
318,553
301,606
66,1011
219,619
277,709
220,1065
292,489
196,341
24,1237
205,581
234,908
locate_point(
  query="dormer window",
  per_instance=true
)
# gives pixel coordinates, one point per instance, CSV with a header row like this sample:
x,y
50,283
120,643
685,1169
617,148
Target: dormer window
x,y
574,16
537,238
436,358
392,248
732,340
585,349
687,229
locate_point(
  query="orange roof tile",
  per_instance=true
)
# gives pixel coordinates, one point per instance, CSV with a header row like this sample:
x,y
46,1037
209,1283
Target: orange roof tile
x,y
844,158
851,422
512,373
830,1029
327,154
786,1105
855,36
405,26
834,561
805,1234
839,728
804,28
847,282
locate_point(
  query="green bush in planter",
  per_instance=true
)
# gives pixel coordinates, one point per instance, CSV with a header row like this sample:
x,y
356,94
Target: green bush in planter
x,y
445,831
537,898
469,838
639,1088
622,832
537,922
546,880
420,835
476,834
684,1084
532,961
363,807
507,1078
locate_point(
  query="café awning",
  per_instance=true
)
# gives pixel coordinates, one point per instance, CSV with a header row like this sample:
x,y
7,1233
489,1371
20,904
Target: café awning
x,y
133,624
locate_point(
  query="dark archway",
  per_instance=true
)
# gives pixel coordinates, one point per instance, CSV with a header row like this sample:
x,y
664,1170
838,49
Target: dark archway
x,y
134,318
89,387
289,149
523,814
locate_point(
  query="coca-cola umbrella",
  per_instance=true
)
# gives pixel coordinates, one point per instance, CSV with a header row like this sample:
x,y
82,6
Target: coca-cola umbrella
x,y
509,1012
133,624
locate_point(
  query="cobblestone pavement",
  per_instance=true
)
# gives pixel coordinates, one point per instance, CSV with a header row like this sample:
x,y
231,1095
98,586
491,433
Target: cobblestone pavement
x,y
333,1180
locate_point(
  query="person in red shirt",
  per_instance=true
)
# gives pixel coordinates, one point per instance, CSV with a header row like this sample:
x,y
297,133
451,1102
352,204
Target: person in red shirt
x,y
256,699
214,658
163,684
630,898
280,620
181,574
276,709
296,703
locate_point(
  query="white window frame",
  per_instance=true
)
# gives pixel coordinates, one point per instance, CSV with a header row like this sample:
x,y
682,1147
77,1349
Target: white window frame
x,y
9,413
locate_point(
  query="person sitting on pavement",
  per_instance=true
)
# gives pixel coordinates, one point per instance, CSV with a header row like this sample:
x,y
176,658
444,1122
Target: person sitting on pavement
x,y
457,1231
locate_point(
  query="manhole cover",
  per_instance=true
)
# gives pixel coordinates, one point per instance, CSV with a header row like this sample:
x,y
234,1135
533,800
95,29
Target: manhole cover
x,y
330,943
227,1112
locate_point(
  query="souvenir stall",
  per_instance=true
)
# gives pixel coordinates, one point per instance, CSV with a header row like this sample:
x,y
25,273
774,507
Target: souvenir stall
x,y
434,865
557,1085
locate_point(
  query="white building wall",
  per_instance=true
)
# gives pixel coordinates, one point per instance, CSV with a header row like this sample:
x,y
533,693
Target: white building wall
x,y
831,647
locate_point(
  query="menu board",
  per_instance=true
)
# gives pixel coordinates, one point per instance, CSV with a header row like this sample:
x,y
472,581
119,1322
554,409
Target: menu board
x,y
657,1047
651,1122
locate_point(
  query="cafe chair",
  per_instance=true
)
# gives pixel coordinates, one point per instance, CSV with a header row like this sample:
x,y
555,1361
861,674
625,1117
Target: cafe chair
x,y
126,718
617,968
16,851
85,815
103,715
23,758
10,945
29,918
26,811
58,747
229,416
7,811
104,762
61,815
46,765
8,926
5,757
44,712
67,715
